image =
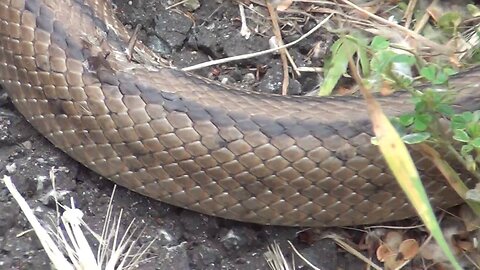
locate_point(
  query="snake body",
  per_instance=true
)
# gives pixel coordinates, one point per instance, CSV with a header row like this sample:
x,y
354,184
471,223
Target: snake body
x,y
194,143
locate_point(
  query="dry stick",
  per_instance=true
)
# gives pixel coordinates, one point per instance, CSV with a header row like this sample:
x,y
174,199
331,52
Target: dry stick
x,y
51,248
395,227
132,42
283,52
409,13
424,20
302,257
441,48
244,31
176,4
255,54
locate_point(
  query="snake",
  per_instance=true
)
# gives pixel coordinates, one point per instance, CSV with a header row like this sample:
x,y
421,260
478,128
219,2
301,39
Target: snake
x,y
195,143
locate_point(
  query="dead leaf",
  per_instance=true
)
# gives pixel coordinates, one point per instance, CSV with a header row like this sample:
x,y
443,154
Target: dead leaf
x,y
465,245
384,252
409,249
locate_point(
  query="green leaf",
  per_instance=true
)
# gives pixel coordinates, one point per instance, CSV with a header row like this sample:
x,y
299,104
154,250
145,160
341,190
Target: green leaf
x,y
473,10
406,119
364,61
458,122
467,117
475,142
382,61
404,58
466,149
400,163
441,78
421,122
379,43
416,137
450,21
435,75
476,116
429,72
461,135
445,109
449,71
342,50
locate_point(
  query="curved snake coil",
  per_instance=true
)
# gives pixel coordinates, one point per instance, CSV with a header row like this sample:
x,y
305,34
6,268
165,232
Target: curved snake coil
x,y
193,143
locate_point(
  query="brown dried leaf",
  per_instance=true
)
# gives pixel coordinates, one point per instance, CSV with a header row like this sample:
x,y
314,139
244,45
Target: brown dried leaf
x,y
409,249
384,252
465,245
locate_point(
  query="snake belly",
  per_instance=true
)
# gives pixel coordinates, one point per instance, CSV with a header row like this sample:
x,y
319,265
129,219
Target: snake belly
x,y
193,143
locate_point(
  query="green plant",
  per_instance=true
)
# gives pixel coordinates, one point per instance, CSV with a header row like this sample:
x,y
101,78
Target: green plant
x,y
393,67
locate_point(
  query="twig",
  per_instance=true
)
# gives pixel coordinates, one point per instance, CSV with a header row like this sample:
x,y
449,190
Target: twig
x,y
303,258
279,41
409,13
395,227
51,248
424,20
132,42
244,31
176,4
441,48
338,240
255,54
310,69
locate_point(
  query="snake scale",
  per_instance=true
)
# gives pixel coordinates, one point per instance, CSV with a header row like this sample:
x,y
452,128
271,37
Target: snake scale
x,y
193,143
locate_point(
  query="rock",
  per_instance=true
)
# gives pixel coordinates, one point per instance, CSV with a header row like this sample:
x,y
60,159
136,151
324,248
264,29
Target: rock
x,y
205,40
172,27
273,79
158,45
237,238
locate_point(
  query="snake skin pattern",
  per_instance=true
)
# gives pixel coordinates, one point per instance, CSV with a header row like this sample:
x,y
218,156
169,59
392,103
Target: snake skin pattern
x,y
194,143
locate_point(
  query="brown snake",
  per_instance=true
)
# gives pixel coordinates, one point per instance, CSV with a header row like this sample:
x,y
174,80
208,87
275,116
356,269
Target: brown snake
x,y
193,143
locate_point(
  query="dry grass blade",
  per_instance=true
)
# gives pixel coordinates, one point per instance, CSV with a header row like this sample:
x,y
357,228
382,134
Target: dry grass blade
x,y
115,252
51,248
283,51
437,47
275,258
338,240
409,12
303,258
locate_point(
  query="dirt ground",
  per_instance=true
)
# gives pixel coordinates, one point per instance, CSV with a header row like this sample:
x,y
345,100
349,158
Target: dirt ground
x,y
186,240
